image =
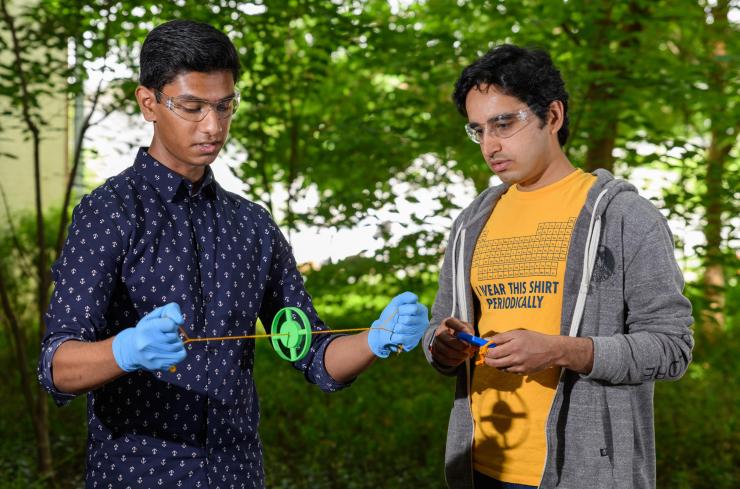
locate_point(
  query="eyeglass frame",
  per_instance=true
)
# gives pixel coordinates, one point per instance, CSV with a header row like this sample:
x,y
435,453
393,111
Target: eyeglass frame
x,y
170,101
524,115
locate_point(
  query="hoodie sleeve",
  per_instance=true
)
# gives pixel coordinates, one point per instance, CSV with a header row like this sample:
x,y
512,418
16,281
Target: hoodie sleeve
x,y
442,308
657,339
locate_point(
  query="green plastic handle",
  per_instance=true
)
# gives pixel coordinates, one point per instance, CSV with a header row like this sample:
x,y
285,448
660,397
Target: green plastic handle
x,y
295,341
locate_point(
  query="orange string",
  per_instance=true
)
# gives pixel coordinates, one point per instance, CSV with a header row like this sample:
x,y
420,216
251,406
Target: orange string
x,y
269,335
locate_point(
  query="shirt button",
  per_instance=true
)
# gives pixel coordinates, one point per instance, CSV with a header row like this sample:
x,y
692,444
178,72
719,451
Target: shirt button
x,y
200,247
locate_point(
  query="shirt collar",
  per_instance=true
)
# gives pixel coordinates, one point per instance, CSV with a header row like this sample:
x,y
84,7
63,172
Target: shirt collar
x,y
170,185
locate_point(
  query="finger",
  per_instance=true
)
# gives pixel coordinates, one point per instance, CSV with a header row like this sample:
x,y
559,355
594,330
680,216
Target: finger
x,y
412,320
156,313
166,361
442,357
457,325
411,309
502,338
172,311
506,362
168,347
452,342
408,343
172,354
407,332
404,298
170,339
499,351
452,349
163,325
514,369
407,336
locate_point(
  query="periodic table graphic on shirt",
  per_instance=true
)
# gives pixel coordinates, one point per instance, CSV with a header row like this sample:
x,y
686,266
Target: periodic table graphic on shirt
x,y
537,254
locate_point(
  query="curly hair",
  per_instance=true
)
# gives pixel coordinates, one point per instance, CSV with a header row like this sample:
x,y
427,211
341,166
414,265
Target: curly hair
x,y
527,74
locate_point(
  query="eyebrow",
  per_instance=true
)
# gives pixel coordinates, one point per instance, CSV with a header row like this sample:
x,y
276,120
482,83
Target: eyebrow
x,y
497,117
503,116
193,98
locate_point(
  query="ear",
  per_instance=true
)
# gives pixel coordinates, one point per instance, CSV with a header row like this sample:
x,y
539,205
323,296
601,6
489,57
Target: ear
x,y
147,101
555,116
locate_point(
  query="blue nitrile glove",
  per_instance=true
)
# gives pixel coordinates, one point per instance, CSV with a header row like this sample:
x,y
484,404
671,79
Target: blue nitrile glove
x,y
402,322
154,344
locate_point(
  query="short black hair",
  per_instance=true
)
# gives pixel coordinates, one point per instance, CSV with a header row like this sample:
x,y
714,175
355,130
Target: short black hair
x,y
527,74
181,46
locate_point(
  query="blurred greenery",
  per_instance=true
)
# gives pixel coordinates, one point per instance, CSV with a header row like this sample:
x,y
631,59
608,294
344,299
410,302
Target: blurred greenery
x,y
349,101
388,429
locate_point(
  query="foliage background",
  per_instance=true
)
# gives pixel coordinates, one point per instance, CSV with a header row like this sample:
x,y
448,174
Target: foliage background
x,y
349,101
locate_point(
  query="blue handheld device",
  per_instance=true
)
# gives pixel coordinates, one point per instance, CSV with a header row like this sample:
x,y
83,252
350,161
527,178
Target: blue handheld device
x,y
473,340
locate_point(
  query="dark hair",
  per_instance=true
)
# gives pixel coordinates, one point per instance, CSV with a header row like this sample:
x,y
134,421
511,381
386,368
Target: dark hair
x,y
527,74
180,46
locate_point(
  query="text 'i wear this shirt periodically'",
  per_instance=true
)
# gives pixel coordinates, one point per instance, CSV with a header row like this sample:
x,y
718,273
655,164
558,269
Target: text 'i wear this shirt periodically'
x,y
517,275
143,240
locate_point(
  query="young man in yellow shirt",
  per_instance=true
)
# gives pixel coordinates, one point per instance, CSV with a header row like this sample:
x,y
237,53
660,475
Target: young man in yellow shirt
x,y
572,277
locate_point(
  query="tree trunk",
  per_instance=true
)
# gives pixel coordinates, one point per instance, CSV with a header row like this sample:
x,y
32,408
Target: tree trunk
x,y
39,415
723,138
604,96
601,146
714,278
19,346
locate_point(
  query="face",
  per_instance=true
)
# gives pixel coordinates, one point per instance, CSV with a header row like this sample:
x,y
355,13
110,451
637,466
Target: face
x,y
530,157
184,146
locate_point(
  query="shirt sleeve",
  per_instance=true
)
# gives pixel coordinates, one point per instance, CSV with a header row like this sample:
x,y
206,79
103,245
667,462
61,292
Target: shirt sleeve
x,y
85,276
285,288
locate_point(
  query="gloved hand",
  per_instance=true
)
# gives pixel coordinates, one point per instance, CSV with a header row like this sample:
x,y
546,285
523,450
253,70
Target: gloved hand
x,y
402,322
154,344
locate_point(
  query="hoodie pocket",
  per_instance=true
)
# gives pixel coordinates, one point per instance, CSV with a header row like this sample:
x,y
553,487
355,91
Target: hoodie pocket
x,y
585,438
604,470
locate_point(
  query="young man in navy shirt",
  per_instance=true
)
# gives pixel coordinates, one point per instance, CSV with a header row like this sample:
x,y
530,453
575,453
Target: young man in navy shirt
x,y
160,247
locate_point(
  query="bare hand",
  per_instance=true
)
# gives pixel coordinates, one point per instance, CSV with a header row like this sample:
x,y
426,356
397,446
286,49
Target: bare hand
x,y
523,352
448,350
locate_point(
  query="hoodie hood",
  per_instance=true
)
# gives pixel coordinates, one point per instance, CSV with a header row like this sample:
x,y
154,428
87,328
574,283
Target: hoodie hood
x,y
483,204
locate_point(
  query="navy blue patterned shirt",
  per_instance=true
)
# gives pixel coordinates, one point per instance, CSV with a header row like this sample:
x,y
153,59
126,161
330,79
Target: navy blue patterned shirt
x,y
139,241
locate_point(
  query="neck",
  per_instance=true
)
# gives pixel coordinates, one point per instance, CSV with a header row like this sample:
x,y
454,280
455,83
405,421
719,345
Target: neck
x,y
193,173
557,169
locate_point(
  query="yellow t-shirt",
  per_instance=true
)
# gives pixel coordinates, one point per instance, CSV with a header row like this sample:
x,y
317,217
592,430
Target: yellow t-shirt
x,y
517,275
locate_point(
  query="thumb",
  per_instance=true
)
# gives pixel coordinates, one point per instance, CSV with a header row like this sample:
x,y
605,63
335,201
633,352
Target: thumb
x,y
171,311
404,298
458,326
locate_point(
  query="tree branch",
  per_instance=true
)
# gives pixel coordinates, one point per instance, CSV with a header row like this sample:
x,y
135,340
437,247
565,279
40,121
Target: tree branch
x,y
24,260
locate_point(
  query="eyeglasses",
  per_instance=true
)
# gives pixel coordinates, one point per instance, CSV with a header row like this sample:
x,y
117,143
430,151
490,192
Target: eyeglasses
x,y
502,126
196,109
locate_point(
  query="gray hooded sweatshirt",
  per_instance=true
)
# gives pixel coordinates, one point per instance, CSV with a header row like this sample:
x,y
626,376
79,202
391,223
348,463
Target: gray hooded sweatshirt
x,y
623,289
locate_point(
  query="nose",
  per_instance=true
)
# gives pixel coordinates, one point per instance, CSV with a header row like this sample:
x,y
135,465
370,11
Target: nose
x,y
211,124
490,144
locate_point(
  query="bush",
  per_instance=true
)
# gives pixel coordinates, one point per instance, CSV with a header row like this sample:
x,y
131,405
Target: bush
x,y
388,429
